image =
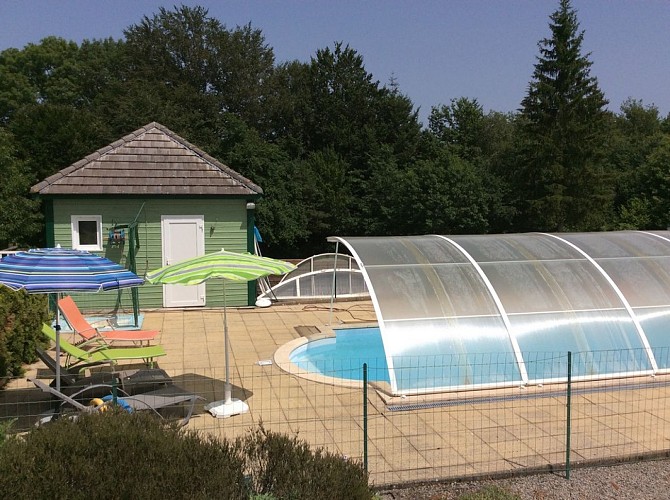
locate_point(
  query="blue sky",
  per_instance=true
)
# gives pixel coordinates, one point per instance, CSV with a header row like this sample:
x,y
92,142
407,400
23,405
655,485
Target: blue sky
x,y
436,50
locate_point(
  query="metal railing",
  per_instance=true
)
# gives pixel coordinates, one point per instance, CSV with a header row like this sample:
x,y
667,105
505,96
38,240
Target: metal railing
x,y
471,434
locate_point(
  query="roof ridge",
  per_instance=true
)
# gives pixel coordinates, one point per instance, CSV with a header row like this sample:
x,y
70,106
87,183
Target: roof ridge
x,y
137,134
209,159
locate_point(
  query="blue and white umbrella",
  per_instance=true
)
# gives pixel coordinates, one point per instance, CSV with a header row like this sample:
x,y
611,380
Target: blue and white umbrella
x,y
61,270
56,270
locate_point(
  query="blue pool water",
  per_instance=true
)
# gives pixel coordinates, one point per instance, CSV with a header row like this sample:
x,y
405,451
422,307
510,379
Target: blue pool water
x,y
343,356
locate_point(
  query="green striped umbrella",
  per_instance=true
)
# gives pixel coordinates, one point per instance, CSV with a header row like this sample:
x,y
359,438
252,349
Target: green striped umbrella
x,y
226,266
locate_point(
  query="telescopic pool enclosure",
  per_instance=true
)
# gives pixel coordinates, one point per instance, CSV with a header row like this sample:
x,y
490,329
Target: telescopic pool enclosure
x,y
485,311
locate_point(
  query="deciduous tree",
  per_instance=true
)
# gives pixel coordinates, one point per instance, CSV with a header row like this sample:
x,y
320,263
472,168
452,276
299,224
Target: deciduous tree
x,y
20,219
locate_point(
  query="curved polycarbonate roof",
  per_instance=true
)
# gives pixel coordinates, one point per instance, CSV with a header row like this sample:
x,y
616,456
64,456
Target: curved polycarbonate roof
x,y
313,279
459,312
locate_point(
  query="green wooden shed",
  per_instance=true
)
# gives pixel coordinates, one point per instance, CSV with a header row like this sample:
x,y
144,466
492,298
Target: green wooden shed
x,y
147,200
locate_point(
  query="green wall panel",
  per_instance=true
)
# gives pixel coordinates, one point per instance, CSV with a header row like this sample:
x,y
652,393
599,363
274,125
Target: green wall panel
x,y
225,227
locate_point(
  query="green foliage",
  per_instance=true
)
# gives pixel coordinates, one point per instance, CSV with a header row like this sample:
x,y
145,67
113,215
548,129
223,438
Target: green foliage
x,y
638,155
53,136
490,493
563,135
5,426
21,318
634,215
20,220
184,51
461,126
286,468
120,455
654,184
335,151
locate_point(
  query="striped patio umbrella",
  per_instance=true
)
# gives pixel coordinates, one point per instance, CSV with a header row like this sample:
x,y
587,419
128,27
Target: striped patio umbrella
x,y
62,270
225,266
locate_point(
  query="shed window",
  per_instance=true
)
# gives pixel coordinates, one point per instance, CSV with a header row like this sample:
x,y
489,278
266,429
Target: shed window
x,y
87,232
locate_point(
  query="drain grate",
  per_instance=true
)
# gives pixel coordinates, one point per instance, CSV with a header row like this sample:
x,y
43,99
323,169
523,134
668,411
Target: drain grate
x,y
306,331
512,397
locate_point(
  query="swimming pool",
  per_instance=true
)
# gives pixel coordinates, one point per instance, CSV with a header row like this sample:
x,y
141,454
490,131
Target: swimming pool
x,y
343,356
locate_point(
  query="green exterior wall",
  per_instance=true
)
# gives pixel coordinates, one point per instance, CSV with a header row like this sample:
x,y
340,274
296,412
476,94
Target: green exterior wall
x,y
226,226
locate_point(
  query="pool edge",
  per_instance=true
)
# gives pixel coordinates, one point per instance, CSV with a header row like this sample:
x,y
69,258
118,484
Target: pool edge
x,y
282,359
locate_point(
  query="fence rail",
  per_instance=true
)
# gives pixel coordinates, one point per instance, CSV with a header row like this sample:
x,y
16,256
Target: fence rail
x,y
425,437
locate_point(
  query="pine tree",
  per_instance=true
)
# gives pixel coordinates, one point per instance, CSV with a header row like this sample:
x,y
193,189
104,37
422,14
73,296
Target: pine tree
x,y
562,180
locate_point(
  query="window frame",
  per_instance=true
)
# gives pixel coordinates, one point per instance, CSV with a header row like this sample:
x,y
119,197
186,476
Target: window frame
x,y
74,226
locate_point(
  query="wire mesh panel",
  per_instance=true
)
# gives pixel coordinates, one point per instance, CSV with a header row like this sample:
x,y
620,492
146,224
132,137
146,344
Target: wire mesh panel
x,y
423,437
620,419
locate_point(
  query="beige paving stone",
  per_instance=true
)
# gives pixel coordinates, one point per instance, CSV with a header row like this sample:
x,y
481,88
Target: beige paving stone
x,y
460,438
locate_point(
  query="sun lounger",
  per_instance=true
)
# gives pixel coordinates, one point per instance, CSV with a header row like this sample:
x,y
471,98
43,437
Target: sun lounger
x,y
88,332
155,401
129,381
102,354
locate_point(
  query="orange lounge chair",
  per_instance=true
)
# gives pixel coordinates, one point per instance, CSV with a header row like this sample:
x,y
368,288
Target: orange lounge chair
x,y
90,333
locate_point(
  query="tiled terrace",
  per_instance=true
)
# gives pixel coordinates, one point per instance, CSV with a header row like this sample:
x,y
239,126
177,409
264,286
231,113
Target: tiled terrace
x,y
442,436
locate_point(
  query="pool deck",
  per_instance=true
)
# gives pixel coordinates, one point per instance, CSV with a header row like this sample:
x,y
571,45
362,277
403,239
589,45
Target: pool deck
x,y
468,440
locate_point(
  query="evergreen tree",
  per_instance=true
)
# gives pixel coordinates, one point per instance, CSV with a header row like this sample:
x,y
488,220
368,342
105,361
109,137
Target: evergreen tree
x,y
563,127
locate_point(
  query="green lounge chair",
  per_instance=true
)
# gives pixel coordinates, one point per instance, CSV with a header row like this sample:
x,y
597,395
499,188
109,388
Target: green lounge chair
x,y
102,354
130,381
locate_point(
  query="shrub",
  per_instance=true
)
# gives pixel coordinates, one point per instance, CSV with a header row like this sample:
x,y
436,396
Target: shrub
x,y
283,467
21,318
490,493
4,429
119,455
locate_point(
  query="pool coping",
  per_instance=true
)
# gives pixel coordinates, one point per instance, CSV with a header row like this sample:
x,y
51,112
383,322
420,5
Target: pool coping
x,y
282,357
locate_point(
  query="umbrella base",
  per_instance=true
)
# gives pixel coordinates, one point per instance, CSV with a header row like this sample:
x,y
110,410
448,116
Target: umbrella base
x,y
225,409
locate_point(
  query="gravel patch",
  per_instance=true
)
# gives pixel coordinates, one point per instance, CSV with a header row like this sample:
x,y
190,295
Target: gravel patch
x,y
648,480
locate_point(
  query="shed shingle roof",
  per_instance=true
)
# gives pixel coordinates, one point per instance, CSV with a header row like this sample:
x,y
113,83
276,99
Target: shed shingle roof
x,y
153,160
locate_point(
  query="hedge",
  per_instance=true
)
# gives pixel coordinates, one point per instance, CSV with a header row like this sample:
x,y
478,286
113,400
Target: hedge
x,y
120,455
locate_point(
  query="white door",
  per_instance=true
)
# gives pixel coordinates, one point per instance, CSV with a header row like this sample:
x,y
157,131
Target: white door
x,y
183,237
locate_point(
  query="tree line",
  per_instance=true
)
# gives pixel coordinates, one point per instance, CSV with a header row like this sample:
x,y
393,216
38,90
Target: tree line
x,y
336,151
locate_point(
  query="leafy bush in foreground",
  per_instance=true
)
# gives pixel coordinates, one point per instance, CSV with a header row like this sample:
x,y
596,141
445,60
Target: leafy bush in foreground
x,y
490,493
4,428
120,455
285,467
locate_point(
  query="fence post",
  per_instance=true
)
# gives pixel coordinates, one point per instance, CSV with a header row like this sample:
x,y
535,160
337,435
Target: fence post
x,y
365,416
568,419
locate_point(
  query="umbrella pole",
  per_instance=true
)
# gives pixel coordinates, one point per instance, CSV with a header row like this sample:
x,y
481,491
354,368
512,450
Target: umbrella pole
x,y
228,406
228,394
57,347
